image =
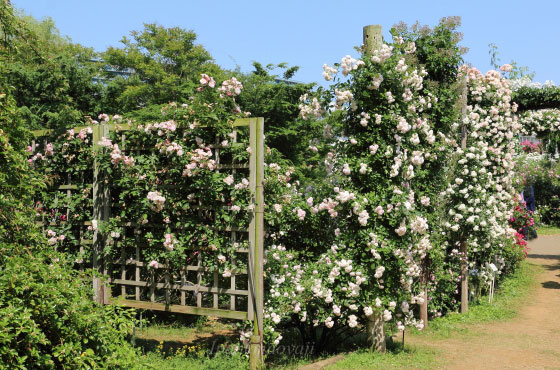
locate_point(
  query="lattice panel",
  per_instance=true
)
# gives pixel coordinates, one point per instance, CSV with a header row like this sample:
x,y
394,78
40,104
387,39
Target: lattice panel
x,y
68,205
191,288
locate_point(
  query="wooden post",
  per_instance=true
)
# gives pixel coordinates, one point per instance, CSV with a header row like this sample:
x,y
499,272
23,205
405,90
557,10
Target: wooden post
x,y
256,238
424,283
464,249
373,38
375,327
463,102
464,278
424,306
106,216
492,285
96,216
375,330
101,213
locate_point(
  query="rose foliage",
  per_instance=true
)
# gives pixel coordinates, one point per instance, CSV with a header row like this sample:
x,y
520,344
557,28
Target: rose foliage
x,y
379,228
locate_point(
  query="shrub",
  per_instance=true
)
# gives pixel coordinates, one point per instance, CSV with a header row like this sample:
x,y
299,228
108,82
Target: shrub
x,y
47,317
537,98
49,321
544,175
544,124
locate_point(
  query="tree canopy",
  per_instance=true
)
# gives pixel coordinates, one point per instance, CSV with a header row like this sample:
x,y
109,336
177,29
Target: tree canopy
x,y
156,66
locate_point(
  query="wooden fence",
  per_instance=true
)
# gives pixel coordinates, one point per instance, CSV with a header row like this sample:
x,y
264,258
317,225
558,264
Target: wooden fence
x,y
193,289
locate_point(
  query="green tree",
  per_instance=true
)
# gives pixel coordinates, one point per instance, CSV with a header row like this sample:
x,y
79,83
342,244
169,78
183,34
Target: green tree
x,y
276,98
18,183
52,78
49,320
158,65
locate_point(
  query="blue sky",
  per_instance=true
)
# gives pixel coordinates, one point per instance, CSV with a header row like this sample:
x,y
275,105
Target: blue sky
x,y
309,33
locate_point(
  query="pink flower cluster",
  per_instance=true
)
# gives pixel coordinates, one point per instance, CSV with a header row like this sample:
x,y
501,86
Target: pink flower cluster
x,y
82,135
200,159
206,80
53,238
161,127
157,199
169,242
116,154
36,157
231,87
169,148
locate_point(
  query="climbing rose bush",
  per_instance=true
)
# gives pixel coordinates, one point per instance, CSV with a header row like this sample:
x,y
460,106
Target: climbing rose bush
x,y
364,242
377,205
544,124
481,195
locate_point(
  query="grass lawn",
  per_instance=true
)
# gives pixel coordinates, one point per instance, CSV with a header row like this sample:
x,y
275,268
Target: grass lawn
x,y
548,230
505,306
397,358
188,361
185,347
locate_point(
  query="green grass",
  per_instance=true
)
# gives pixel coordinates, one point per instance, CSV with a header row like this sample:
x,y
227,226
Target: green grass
x,y
548,230
397,358
168,343
512,291
222,361
510,294
166,332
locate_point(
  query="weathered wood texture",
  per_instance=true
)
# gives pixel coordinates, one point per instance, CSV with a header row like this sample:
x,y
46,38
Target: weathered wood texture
x,y
256,238
464,246
373,40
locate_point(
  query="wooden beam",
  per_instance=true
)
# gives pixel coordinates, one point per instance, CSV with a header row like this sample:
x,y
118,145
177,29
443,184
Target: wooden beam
x,y
179,287
375,326
256,241
204,311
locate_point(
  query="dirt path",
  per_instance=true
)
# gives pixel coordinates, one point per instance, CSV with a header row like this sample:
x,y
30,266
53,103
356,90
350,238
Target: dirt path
x,y
529,341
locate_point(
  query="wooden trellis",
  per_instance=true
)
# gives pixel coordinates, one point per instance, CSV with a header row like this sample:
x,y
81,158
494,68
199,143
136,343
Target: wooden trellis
x,y
194,289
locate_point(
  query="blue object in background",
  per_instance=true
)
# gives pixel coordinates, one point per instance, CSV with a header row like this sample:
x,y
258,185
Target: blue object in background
x,y
529,196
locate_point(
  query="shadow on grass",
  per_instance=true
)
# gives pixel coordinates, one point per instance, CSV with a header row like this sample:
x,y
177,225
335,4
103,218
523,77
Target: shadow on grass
x,y
545,256
292,353
211,343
